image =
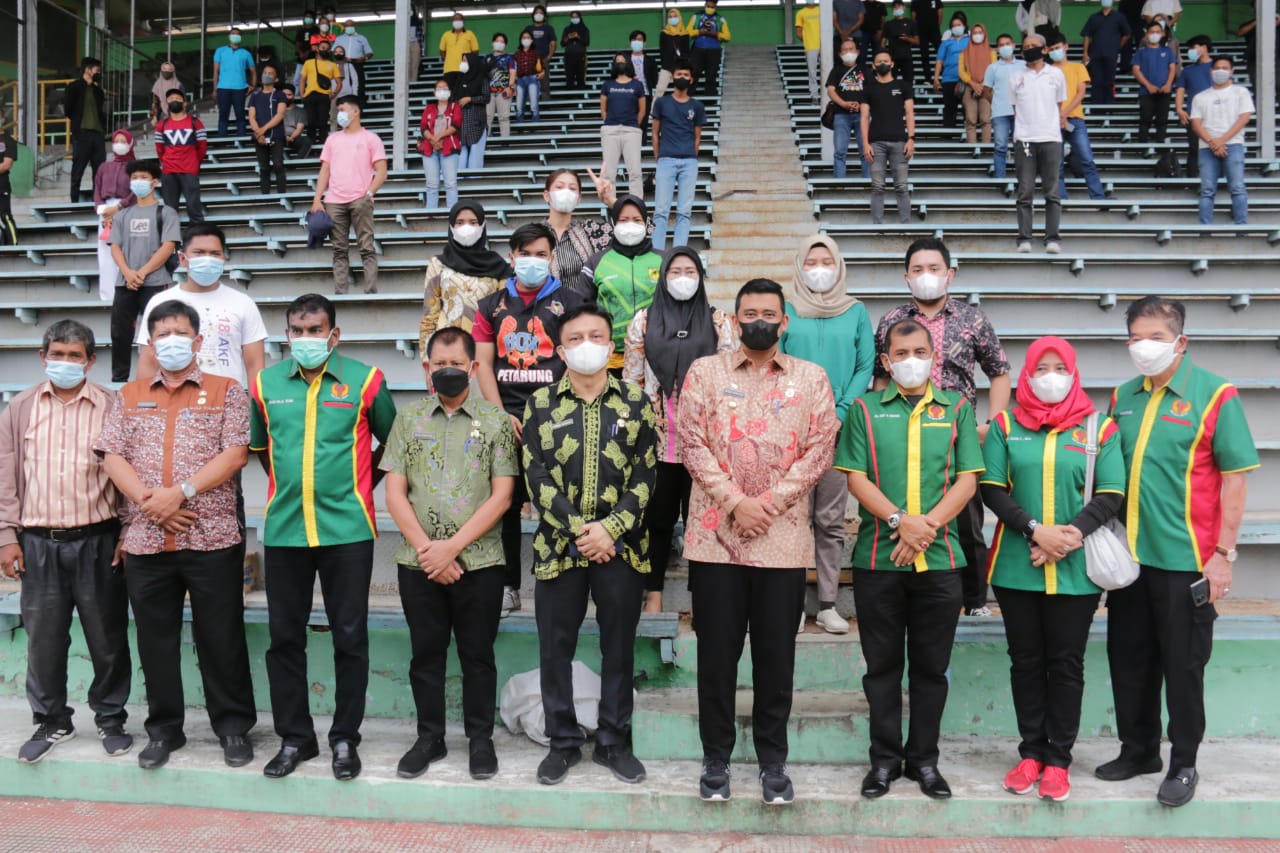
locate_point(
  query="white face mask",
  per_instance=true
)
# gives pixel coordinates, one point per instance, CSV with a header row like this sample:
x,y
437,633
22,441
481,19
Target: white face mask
x,y
820,279
630,233
588,358
1220,75
978,38
442,94
120,148
464,66
564,200
911,372
539,17
499,46
1153,38
526,43
928,287
682,288
466,235
1152,358
1052,388
849,58
957,30
457,25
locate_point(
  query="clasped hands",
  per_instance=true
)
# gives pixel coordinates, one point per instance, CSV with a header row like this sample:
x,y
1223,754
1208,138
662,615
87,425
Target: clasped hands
x,y
914,535
163,507
753,517
1052,542
439,559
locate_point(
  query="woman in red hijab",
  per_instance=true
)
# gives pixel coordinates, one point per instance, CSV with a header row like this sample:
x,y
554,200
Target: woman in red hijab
x,y
1034,483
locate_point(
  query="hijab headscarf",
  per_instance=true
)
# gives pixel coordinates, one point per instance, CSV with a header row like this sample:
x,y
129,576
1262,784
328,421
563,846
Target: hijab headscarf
x,y
677,333
475,81
1035,414
477,259
835,301
977,56
129,157
645,245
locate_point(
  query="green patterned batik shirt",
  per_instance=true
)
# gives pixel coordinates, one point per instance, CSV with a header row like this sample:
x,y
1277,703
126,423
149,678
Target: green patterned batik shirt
x,y
587,462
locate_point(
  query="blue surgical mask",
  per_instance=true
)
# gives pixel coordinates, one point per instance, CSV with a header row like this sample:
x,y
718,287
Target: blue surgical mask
x,y
636,45
64,374
532,271
310,353
1057,55
205,270
174,352
1005,51
141,189
344,119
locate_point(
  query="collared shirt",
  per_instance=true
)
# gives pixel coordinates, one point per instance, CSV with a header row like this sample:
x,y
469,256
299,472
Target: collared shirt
x,y
963,339
912,452
765,433
167,435
319,439
1105,32
584,462
450,461
1178,441
1044,471
66,485
996,78
1034,96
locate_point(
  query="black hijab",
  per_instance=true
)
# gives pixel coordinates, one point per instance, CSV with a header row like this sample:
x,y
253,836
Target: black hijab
x,y
477,259
677,333
645,245
475,81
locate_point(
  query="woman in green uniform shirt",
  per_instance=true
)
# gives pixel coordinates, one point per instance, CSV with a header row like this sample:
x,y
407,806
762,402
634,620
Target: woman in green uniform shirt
x,y
1034,482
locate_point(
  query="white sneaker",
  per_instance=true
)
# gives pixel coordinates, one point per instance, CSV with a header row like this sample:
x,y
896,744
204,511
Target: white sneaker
x,y
1053,247
980,612
800,630
1024,248
510,601
831,621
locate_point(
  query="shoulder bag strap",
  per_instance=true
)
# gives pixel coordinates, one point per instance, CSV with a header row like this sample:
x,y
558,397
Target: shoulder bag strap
x,y
1090,454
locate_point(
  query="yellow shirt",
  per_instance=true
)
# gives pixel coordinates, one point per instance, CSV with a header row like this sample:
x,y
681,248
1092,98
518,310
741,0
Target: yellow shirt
x,y
455,45
312,68
809,20
1076,74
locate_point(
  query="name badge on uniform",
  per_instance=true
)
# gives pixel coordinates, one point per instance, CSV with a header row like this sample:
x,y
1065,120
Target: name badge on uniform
x,y
424,436
150,404
561,424
733,392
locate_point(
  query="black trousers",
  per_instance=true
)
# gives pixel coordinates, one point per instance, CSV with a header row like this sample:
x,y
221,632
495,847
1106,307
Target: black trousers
x,y
973,577
1154,636
344,572
1102,71
1047,635
1153,111
950,105
171,184
8,230
88,148
560,605
512,538
317,108
918,611
215,581
575,68
670,502
1193,153
126,306
271,157
61,576
930,38
731,600
469,607
705,62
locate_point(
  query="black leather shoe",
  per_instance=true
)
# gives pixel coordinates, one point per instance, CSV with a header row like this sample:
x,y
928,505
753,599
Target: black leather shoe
x,y
419,757
553,768
236,750
287,760
484,761
625,766
876,783
1126,767
1178,789
931,782
346,761
156,753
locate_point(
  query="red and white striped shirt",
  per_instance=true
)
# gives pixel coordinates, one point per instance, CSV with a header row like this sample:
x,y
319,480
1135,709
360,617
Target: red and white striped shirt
x,y
66,485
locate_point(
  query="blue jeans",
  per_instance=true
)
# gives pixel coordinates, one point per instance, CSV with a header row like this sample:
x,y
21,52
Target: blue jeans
x,y
472,156
436,166
527,87
1077,136
228,100
1212,168
678,175
847,125
1001,133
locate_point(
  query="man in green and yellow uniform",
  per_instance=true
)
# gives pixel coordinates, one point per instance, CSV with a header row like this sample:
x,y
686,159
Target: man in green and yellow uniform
x,y
1187,448
912,456
623,277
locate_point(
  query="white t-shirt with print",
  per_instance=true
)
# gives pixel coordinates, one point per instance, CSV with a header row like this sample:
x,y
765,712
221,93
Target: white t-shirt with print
x,y
229,319
1218,109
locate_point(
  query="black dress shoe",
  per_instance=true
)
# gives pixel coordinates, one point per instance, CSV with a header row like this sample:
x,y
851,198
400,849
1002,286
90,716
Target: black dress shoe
x,y
346,761
1178,789
931,782
484,761
236,750
287,760
553,768
156,753
419,757
876,783
1126,767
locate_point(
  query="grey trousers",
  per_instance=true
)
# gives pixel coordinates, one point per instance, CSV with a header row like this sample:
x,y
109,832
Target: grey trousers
x,y
827,505
357,214
1045,160
890,155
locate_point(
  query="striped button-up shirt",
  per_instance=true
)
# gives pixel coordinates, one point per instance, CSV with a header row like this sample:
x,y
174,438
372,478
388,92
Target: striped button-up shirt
x,y
66,485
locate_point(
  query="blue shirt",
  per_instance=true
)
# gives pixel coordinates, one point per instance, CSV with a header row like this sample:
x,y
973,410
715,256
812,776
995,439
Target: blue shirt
x,y
997,80
543,35
1154,63
622,103
1195,79
949,55
234,65
1105,33
675,134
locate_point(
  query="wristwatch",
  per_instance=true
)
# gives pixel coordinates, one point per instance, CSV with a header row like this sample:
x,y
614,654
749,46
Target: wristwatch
x,y
1031,529
1229,553
188,490
895,519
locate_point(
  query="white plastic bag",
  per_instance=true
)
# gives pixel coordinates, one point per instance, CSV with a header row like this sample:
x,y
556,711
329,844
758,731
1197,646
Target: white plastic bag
x,y
521,701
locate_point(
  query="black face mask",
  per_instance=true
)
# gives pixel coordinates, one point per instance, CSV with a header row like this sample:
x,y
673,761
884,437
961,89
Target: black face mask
x,y
620,68
449,381
883,69
176,107
1033,54
759,335
97,77
681,84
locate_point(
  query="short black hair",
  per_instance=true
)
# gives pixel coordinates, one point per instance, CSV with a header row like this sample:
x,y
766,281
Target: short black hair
x,y
960,16
151,167
927,244
500,35
69,332
1222,57
587,309
1004,36
89,62
205,229
1200,41
881,50
1173,312
682,64
312,303
905,326
530,232
760,285
353,100
289,87
451,335
171,92
173,308
637,34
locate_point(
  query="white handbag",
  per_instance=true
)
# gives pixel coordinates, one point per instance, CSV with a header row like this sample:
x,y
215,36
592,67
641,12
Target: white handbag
x,y
1106,550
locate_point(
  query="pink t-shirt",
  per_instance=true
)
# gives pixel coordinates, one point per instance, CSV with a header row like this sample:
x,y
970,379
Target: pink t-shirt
x,y
351,157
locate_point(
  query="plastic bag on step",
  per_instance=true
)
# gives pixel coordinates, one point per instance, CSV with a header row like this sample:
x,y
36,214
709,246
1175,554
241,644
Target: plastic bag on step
x,y
521,703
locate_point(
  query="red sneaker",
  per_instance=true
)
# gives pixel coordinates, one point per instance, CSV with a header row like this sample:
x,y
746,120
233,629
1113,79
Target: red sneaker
x,y
1023,778
1056,784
